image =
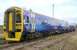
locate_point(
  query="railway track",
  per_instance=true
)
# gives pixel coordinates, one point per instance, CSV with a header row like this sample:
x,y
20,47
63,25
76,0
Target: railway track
x,y
39,43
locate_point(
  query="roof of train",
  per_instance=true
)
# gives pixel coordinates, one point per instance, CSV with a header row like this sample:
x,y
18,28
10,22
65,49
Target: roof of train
x,y
54,20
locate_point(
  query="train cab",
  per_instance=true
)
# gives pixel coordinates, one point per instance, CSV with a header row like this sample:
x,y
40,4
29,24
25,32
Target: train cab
x,y
13,24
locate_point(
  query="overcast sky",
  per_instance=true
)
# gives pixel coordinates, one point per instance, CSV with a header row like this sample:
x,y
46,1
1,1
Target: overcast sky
x,y
64,9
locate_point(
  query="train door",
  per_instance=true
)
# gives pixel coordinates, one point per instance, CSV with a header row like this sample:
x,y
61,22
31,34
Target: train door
x,y
29,22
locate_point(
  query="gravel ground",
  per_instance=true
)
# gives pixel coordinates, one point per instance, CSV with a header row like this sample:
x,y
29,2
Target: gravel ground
x,y
69,43
58,42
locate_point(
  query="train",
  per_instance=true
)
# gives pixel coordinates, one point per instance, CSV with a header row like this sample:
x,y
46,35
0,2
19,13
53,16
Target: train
x,y
21,24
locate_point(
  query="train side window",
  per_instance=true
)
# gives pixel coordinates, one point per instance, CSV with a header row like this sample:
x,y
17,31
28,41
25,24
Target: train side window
x,y
4,24
4,21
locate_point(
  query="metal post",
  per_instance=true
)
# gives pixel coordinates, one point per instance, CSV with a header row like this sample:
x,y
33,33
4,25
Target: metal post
x,y
53,9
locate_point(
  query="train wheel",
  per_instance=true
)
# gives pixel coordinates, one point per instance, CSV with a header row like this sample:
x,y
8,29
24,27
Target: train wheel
x,y
37,35
29,36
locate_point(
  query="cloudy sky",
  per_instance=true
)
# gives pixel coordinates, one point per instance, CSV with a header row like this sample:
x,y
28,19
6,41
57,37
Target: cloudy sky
x,y
64,9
